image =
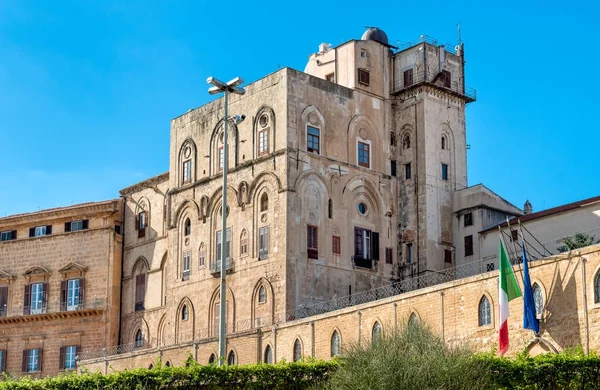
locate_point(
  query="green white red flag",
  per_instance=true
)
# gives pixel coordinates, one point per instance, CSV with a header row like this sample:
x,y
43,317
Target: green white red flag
x,y
508,289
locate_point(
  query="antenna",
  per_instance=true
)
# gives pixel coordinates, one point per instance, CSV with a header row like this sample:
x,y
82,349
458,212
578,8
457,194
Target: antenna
x,y
458,30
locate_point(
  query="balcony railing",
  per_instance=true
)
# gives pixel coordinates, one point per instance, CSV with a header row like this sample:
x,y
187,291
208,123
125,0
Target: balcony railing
x,y
433,77
361,262
215,266
49,308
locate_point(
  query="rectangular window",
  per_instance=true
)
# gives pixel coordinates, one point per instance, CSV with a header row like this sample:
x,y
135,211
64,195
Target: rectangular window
x,y
201,257
73,294
336,244
366,244
187,261
468,219
363,76
68,357
388,256
227,247
263,141
409,253
141,224
3,301
393,167
140,291
32,360
187,171
330,77
447,78
447,256
444,171
2,360
312,241
37,298
407,171
74,226
363,154
220,158
408,78
468,245
40,231
263,243
8,235
312,139
244,245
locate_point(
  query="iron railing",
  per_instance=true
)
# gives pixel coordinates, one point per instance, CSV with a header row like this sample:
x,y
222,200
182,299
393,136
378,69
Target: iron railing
x,y
215,266
401,46
49,308
114,350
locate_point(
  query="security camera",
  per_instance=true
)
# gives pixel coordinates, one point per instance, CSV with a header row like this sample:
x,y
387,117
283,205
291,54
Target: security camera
x,y
237,119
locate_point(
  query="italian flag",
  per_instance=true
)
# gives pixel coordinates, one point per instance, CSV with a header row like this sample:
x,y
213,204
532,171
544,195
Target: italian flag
x,y
508,289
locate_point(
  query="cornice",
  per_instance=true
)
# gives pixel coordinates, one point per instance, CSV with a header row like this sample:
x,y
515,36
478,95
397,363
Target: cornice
x,y
148,183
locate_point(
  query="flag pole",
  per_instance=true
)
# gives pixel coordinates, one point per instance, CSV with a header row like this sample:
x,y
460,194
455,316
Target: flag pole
x,y
533,322
514,248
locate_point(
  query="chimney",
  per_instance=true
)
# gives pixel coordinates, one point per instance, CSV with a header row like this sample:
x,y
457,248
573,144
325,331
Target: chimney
x,y
527,209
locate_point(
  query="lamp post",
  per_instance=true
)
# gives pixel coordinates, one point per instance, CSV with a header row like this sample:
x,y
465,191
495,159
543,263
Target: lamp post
x,y
227,88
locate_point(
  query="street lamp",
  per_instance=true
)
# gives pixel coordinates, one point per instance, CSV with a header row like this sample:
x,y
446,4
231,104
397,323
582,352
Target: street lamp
x,y
227,88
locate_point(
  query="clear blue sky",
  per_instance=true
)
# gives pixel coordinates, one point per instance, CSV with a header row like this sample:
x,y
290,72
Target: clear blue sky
x,y
87,88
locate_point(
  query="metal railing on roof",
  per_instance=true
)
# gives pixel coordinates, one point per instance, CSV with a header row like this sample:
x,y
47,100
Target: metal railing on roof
x,y
433,76
401,46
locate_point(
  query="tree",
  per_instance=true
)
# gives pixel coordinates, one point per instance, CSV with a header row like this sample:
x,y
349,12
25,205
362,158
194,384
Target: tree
x,y
579,240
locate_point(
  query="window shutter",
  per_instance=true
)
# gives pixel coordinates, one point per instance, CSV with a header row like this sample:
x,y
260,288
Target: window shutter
x,y
81,293
44,297
137,222
27,300
67,227
63,295
145,220
375,245
77,352
13,235
85,223
3,301
358,242
25,358
3,362
61,359
48,229
40,359
267,240
32,232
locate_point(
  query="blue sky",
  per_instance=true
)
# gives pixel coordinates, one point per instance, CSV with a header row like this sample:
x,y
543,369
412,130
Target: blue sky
x,y
87,88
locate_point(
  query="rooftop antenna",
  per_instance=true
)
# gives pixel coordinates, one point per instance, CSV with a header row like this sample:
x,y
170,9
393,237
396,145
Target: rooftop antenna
x,y
458,29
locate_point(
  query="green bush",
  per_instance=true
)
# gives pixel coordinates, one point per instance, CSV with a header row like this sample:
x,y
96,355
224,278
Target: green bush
x,y
194,376
412,358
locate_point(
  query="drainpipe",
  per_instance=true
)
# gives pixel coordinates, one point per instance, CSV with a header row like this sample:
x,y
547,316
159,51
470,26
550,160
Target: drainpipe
x,y
312,339
359,325
119,341
395,316
586,329
442,314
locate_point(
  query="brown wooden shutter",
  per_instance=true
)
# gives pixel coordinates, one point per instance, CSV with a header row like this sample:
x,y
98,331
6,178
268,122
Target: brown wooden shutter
x,y
27,300
375,245
32,232
44,297
48,229
63,295
61,359
85,223
67,227
81,293
3,301
358,242
25,358
40,359
13,235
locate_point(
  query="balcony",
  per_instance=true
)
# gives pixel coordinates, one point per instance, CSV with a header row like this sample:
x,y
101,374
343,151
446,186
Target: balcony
x,y
50,311
435,78
215,267
361,262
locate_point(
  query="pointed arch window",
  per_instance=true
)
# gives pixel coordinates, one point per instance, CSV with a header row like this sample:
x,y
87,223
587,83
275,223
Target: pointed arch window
x,y
444,143
297,350
597,288
184,313
406,141
244,243
231,358
139,339
335,343
485,311
264,202
187,227
263,134
538,299
413,320
202,256
212,358
268,358
262,294
376,332
393,138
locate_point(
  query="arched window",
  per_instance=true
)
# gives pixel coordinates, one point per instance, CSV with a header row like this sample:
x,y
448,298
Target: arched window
x,y
392,138
231,358
168,364
244,243
151,366
187,227
330,208
376,333
538,299
264,202
444,144
297,350
413,320
139,339
597,288
485,311
212,358
202,256
262,294
263,134
406,141
184,313
335,343
268,355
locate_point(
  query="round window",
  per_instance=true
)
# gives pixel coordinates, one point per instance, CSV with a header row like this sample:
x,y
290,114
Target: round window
x,y
362,208
264,120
